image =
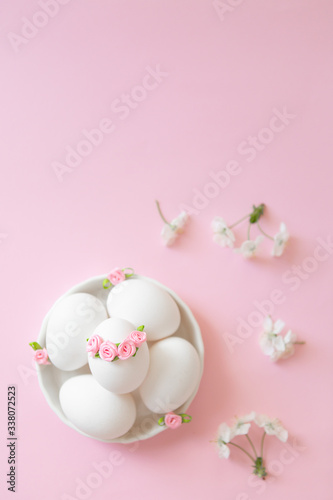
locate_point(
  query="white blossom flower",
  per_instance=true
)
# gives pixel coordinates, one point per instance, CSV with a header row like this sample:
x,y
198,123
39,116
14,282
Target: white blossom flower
x,y
242,424
274,345
222,233
170,231
249,247
272,427
224,437
280,241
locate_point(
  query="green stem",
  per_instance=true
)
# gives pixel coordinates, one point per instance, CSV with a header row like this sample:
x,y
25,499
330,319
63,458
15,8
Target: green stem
x,y
161,215
252,445
248,454
262,444
248,231
263,232
239,221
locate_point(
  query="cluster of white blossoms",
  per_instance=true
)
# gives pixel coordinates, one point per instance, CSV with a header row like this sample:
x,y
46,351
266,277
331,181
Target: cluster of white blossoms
x,y
275,345
224,236
241,427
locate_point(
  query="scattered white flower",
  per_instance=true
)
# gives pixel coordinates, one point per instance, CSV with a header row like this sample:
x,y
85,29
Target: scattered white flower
x,y
171,231
224,437
222,233
274,345
249,247
272,427
280,241
242,424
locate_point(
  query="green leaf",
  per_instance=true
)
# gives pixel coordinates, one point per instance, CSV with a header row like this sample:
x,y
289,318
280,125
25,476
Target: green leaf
x,y
257,213
97,355
106,284
135,352
35,346
115,359
185,418
87,340
259,469
128,275
140,328
161,421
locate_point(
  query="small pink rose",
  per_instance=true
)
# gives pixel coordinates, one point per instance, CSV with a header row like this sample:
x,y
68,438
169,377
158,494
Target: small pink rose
x,y
41,357
93,344
116,276
172,420
138,338
108,351
126,349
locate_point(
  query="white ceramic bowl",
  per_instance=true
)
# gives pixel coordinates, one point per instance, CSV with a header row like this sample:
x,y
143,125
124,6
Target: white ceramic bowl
x,y
145,426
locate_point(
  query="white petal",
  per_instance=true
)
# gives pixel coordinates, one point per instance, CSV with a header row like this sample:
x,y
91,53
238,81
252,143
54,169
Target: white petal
x,y
278,326
283,228
249,417
282,435
224,432
224,451
290,337
241,429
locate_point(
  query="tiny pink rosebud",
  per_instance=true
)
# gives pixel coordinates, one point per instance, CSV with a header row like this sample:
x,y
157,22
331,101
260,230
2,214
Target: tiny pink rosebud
x,y
116,276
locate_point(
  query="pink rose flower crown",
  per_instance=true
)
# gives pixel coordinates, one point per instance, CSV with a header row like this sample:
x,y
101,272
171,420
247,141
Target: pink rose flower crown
x,y
109,351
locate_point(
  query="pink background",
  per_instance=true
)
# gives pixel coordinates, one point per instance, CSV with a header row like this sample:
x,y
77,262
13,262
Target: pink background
x,y
226,75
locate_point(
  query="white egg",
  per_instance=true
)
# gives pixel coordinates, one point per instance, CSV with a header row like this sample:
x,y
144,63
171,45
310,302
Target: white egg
x,y
119,376
173,375
144,303
72,321
96,411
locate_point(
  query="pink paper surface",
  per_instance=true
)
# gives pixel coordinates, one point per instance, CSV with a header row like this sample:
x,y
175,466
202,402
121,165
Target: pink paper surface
x,y
216,78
